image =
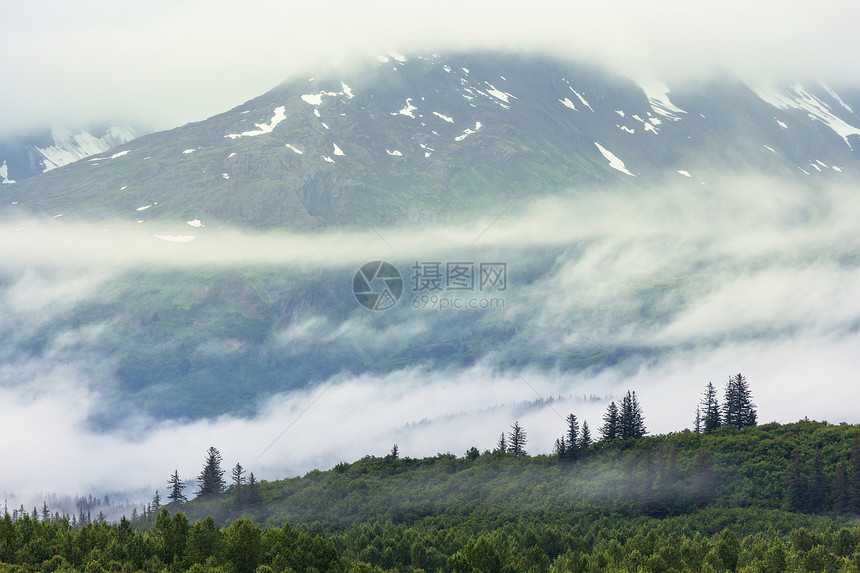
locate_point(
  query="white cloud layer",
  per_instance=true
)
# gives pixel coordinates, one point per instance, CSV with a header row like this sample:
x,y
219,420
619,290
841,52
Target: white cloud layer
x,y
165,63
754,275
423,412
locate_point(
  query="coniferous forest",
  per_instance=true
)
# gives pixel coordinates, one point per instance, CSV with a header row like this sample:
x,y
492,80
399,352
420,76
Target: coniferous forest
x,y
728,495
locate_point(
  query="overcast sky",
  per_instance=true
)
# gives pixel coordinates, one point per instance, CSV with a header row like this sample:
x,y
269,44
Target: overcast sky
x,y
161,63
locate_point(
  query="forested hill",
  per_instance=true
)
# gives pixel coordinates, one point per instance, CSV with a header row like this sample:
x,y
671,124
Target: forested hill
x,y
766,498
805,467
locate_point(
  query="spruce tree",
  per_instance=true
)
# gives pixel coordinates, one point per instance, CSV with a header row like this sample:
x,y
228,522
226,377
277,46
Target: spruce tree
x,y
711,419
254,497
631,419
572,436
610,429
210,482
176,487
502,445
560,448
626,417
638,422
238,475
517,440
584,439
738,408
697,422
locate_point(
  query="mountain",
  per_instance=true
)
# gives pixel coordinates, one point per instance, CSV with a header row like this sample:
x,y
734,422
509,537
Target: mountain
x,y
438,138
24,156
647,225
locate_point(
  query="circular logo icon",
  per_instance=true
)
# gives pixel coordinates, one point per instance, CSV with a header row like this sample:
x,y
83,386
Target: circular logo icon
x,y
377,285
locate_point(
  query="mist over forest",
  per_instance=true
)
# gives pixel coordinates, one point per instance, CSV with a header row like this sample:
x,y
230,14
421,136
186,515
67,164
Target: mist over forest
x,y
659,290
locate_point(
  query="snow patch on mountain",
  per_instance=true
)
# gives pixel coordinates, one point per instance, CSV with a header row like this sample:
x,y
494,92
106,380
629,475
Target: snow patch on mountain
x,y
467,132
797,97
316,99
614,161
646,125
337,150
658,96
299,151
263,128
838,99
444,117
194,223
498,94
408,109
582,99
567,103
70,147
395,153
4,174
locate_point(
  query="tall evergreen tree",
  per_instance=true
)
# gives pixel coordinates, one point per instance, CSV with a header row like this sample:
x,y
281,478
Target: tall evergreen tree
x,y
502,445
572,436
610,429
176,487
517,440
710,406
697,422
638,425
631,419
560,448
210,482
156,502
238,475
738,408
584,439
254,496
